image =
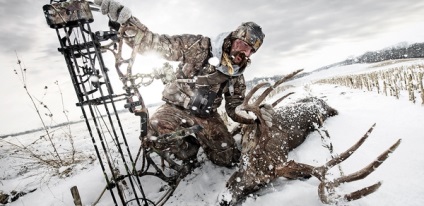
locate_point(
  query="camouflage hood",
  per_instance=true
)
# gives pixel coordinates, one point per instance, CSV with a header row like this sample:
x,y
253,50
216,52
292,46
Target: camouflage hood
x,y
216,50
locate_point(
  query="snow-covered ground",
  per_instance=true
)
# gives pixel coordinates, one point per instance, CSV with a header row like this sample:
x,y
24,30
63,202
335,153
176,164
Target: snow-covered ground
x,y
402,174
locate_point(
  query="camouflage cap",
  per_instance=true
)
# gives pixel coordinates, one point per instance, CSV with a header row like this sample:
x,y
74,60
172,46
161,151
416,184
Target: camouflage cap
x,y
251,33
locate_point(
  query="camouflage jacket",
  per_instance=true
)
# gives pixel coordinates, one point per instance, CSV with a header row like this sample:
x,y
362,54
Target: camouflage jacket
x,y
197,80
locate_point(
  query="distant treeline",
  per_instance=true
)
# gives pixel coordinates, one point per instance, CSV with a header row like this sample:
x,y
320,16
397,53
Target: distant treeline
x,y
399,51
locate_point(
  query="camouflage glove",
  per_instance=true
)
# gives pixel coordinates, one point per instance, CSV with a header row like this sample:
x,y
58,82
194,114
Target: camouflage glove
x,y
266,113
116,11
165,73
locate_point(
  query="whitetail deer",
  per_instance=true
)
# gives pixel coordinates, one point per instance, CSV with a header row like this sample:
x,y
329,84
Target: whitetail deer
x,y
265,149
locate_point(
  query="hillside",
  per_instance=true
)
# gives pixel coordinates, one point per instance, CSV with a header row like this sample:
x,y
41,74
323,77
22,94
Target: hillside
x,y
401,51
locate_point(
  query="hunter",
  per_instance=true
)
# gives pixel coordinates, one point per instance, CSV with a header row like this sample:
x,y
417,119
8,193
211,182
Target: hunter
x,y
210,70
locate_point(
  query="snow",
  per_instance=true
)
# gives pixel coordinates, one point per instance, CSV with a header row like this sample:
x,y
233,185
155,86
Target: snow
x,y
402,174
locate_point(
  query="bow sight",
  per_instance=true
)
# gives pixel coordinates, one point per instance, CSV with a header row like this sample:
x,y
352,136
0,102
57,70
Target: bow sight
x,y
82,49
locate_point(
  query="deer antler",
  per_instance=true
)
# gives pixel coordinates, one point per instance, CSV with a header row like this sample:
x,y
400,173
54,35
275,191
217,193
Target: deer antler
x,y
276,84
295,170
255,106
281,99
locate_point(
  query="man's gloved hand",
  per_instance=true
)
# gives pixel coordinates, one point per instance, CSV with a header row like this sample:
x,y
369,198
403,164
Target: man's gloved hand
x,y
116,11
266,113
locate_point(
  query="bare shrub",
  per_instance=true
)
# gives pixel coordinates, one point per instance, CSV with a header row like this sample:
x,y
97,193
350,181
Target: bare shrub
x,y
53,153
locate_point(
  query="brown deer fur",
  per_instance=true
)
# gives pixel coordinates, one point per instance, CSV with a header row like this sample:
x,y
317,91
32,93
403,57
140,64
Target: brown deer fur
x,y
292,124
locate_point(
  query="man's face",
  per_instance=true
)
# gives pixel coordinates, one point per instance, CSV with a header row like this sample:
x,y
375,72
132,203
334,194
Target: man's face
x,y
240,52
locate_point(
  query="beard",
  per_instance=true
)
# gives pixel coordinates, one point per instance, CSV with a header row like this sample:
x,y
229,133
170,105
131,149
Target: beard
x,y
239,58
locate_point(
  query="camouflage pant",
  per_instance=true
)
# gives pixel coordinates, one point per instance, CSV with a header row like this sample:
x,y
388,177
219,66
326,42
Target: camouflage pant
x,y
214,138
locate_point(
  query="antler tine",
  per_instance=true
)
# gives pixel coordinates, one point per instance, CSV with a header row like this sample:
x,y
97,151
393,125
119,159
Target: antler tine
x,y
348,197
346,154
362,192
253,91
364,172
276,84
281,99
292,170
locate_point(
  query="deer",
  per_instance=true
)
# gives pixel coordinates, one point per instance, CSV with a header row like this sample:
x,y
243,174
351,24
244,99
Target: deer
x,y
265,151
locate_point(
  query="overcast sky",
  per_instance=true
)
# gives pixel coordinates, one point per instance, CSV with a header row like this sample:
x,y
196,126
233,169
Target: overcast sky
x,y
299,34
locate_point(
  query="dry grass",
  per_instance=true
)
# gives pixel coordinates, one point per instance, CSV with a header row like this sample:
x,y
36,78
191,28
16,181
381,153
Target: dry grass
x,y
391,82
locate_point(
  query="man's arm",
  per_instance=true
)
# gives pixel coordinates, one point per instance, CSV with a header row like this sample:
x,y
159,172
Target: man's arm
x,y
186,48
235,100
